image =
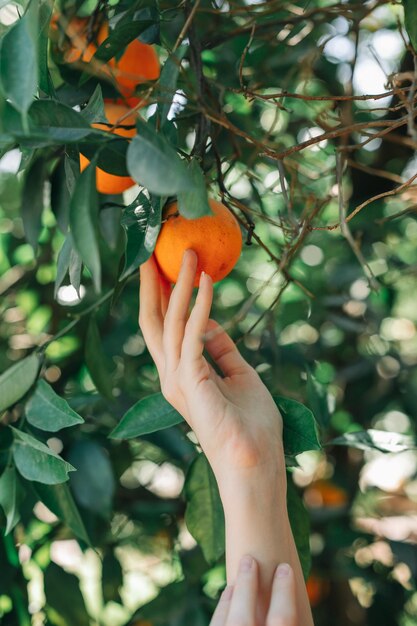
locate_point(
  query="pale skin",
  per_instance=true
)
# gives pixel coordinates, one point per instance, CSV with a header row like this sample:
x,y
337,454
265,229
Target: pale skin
x,y
240,431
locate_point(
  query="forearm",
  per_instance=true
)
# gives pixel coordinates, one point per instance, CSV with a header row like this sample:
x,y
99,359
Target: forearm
x,y
257,524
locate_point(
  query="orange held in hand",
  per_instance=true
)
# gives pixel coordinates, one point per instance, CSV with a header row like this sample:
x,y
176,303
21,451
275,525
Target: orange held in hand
x,y
106,182
216,239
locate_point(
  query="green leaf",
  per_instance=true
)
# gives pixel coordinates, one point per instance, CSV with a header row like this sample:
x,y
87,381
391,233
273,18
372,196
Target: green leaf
x,y
83,222
375,440
410,20
63,262
317,396
167,608
35,461
9,497
60,196
93,484
19,61
125,31
167,83
54,122
142,222
146,416
63,594
75,270
18,379
32,201
300,526
300,430
97,361
153,163
204,513
94,113
45,14
111,578
47,411
194,203
59,500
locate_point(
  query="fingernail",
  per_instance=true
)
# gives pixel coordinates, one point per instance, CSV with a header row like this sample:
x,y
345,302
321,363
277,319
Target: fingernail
x,y
227,593
283,570
246,563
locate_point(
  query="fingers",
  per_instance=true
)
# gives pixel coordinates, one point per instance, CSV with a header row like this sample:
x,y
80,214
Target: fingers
x,y
177,312
222,609
166,289
150,314
282,610
223,350
193,344
242,610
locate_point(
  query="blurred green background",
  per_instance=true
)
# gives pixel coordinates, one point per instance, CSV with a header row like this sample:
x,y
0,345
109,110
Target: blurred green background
x,y
326,313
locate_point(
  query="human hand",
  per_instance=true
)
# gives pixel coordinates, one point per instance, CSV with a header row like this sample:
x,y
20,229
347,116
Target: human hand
x,y
233,415
238,603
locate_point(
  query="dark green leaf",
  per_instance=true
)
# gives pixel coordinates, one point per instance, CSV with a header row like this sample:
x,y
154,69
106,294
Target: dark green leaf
x,y
63,594
125,31
167,83
194,203
204,513
142,222
146,416
410,19
111,578
375,440
35,461
97,361
60,196
300,526
83,222
59,500
47,411
110,224
32,202
167,607
57,123
18,379
74,270
300,430
111,156
318,399
19,61
93,484
45,13
63,262
153,163
9,497
94,113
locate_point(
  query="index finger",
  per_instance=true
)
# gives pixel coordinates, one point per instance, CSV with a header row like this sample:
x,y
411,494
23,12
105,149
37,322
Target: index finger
x,y
151,319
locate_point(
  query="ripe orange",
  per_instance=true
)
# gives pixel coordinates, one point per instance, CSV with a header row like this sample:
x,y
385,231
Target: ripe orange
x,y
326,494
138,64
216,239
105,182
317,588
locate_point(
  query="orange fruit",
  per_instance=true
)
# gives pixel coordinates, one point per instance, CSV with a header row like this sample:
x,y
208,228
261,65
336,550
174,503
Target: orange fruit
x,y
216,239
106,182
138,63
326,494
317,588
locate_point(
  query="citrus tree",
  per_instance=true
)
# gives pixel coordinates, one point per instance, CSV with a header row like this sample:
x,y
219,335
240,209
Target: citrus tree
x,y
300,119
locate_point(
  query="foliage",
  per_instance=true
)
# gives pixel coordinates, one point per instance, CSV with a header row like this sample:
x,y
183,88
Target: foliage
x,y
263,105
